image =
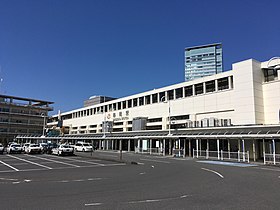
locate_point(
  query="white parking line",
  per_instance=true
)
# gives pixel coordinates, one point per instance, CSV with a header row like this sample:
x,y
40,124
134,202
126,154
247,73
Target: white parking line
x,y
82,161
37,164
158,200
51,160
215,172
93,204
9,166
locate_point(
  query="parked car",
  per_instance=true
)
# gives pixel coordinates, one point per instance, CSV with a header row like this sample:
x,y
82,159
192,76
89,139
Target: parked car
x,y
14,148
25,145
33,148
1,149
47,147
63,149
83,147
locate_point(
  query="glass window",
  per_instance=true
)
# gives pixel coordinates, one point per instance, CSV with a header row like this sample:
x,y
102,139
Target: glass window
x,y
179,93
124,104
135,102
188,91
155,98
170,94
129,103
147,99
210,86
198,88
223,83
141,101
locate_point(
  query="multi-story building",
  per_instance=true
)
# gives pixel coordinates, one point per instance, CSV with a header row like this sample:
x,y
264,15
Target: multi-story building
x,y
21,116
233,110
204,60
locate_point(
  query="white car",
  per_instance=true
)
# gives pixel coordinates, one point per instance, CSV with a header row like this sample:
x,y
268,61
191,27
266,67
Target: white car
x,y
25,145
14,148
63,149
33,148
83,147
1,149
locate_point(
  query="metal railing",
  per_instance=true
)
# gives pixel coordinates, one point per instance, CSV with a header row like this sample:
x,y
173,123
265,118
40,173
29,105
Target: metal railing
x,y
222,155
269,158
152,151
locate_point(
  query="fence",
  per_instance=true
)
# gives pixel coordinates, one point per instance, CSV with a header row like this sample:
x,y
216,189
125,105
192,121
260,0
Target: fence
x,y
152,151
222,155
271,158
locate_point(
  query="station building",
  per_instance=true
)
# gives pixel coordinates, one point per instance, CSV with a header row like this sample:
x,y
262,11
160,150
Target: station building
x,y
231,114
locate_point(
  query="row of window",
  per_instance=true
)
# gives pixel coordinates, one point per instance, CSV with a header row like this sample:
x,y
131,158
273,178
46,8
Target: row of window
x,y
187,91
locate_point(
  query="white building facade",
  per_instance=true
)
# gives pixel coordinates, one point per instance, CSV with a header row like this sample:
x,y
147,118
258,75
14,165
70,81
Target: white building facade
x,y
233,98
236,110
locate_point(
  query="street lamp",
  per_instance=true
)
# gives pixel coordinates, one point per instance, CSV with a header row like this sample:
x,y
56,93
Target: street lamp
x,y
164,100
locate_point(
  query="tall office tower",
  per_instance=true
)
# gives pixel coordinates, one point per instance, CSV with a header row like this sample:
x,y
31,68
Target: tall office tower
x,y
204,60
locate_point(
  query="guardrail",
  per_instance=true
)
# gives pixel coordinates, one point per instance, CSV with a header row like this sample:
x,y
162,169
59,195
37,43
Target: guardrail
x,y
269,158
222,155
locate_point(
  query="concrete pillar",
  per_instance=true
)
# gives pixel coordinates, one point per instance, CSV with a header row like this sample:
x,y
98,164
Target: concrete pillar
x,y
228,149
243,149
204,87
239,145
200,147
170,147
229,82
120,149
163,147
216,85
218,148
185,148
190,148
193,90
100,144
196,148
128,145
151,146
254,150
179,147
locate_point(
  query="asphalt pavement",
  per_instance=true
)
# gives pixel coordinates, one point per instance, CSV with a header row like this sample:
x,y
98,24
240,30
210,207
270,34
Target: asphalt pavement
x,y
103,180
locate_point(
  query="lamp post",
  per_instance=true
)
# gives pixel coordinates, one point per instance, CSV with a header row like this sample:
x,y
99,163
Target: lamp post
x,y
164,100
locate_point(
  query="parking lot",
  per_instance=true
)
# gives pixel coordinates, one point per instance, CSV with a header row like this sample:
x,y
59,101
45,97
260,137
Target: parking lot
x,y
25,162
101,181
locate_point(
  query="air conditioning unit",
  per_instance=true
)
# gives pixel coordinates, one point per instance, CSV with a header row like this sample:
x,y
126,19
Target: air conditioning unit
x,y
227,122
213,122
197,124
189,124
205,122
221,122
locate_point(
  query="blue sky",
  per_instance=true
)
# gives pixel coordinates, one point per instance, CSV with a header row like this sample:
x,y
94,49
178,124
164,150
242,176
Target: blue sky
x,y
68,50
